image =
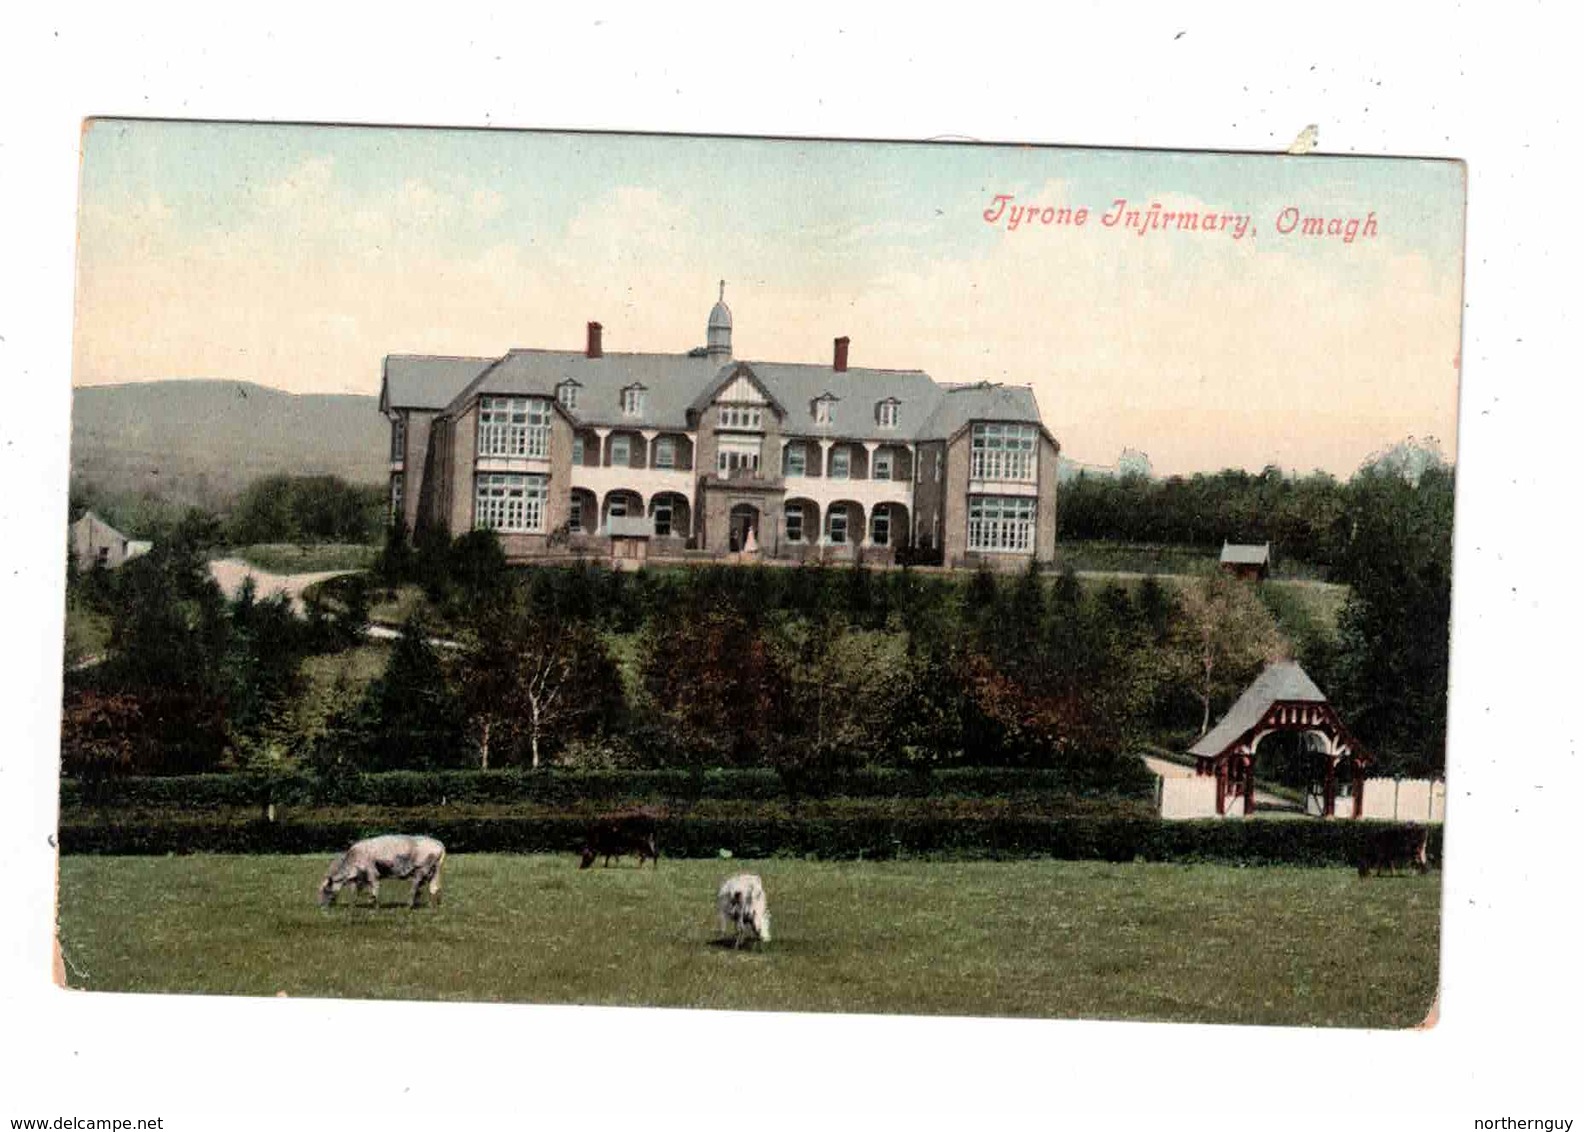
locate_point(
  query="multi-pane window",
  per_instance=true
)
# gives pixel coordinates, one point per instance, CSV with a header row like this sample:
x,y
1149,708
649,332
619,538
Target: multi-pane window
x,y
822,411
567,393
737,455
794,523
509,503
883,463
1001,522
665,452
662,519
577,451
632,401
886,413
617,509
621,451
575,515
396,497
399,437
1004,452
838,527
880,528
796,460
841,463
514,426
740,416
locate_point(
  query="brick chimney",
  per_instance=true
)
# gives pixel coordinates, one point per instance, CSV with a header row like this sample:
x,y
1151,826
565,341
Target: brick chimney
x,y
840,364
596,348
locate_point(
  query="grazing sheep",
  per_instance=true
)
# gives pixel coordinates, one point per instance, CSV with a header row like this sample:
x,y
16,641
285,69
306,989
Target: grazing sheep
x,y
394,855
741,903
616,835
1395,848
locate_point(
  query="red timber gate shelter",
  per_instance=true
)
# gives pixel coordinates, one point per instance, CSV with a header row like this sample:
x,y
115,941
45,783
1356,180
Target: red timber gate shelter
x,y
1283,698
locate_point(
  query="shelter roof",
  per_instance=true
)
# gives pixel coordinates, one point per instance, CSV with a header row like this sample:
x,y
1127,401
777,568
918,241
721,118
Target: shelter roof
x,y
1282,682
1241,554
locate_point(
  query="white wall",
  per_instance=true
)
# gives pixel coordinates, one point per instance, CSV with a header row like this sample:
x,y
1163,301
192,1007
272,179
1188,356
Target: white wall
x,y
1185,798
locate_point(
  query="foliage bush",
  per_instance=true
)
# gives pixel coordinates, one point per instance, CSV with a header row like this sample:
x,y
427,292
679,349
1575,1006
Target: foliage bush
x,y
774,833
403,788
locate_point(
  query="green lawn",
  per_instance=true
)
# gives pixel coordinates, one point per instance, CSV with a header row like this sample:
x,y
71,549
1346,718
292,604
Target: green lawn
x,y
309,558
1030,938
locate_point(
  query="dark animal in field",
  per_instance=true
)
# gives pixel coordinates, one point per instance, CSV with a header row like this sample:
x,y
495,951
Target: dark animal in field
x,y
1394,849
742,908
393,855
616,835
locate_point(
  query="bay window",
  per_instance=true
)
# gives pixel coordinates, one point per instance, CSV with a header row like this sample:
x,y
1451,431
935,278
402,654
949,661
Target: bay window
x,y
509,503
514,426
1001,523
1004,452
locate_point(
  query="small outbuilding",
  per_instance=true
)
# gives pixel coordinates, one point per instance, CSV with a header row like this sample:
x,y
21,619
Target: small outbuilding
x,y
629,539
95,542
1249,562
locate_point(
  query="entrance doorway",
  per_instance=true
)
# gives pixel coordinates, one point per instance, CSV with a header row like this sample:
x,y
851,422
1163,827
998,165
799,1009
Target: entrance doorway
x,y
744,521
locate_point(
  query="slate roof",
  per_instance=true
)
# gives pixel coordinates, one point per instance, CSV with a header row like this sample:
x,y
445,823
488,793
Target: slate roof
x,y
795,387
1283,681
959,404
417,381
92,522
669,381
1237,554
675,384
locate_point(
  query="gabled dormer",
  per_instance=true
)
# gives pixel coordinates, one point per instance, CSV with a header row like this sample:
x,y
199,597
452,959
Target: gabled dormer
x,y
888,413
634,400
823,408
567,393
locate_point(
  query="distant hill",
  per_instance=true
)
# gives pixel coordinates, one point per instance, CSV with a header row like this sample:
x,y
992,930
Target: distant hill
x,y
202,442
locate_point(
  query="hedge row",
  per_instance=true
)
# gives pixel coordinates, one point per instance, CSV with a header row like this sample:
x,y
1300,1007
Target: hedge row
x,y
543,787
1088,838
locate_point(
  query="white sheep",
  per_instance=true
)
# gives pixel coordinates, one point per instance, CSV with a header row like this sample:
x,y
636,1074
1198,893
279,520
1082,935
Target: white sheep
x,y
743,913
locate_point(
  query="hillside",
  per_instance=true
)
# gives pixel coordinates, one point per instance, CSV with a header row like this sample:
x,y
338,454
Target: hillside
x,y
202,442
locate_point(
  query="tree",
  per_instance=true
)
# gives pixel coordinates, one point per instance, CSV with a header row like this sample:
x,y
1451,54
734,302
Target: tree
x,y
715,681
530,676
1393,637
477,566
415,720
1224,635
99,733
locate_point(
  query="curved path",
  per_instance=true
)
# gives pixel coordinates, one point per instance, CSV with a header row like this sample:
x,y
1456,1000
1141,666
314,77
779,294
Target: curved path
x,y
230,573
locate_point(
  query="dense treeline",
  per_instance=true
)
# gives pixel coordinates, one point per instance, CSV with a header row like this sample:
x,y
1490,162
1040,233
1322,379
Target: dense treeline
x,y
275,509
1308,519
813,673
1305,517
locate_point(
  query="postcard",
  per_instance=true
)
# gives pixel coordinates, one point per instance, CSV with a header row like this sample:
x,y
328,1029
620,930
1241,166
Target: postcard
x,y
760,574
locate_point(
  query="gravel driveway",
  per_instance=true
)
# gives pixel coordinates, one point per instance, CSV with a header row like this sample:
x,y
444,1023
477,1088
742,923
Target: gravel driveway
x,y
230,573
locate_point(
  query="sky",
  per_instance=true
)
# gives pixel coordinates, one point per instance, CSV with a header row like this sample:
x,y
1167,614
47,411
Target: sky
x,y
298,257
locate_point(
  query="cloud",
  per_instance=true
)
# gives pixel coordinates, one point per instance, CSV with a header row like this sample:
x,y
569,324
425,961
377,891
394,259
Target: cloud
x,y
1202,350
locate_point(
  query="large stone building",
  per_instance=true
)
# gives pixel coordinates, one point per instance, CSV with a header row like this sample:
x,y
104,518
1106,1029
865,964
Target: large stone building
x,y
704,455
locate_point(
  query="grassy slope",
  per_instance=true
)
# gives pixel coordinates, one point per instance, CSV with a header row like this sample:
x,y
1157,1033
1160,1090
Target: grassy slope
x,y
1035,938
291,558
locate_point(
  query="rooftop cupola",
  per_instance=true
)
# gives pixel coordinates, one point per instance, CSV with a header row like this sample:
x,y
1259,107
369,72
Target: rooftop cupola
x,y
719,347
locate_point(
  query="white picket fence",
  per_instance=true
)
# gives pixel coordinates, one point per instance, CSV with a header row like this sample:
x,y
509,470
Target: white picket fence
x,y
1182,799
1420,800
1385,799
